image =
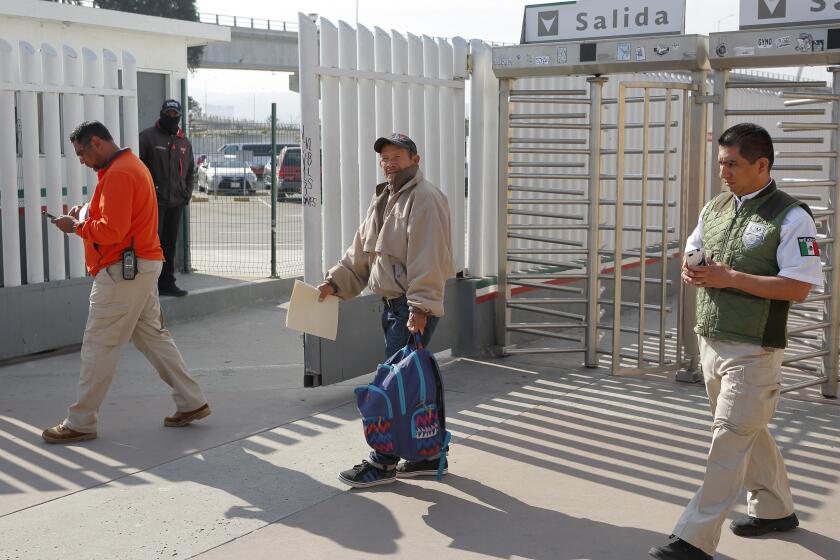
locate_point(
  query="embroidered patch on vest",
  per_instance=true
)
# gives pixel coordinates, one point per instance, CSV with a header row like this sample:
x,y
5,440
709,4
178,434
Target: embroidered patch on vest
x,y
754,234
808,247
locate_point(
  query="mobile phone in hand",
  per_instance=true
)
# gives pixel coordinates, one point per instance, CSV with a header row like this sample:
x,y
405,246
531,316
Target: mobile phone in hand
x,y
697,257
48,215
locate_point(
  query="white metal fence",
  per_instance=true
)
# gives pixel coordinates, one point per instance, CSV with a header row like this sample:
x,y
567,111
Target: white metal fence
x,y
372,84
44,94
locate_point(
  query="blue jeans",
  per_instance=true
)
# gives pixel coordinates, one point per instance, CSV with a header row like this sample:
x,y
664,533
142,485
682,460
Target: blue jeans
x,y
394,318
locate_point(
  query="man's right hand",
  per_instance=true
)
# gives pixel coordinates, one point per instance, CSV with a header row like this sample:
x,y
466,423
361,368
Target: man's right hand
x,y
74,212
326,289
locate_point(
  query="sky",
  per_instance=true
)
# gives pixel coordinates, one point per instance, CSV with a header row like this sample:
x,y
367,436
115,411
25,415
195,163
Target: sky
x,y
251,93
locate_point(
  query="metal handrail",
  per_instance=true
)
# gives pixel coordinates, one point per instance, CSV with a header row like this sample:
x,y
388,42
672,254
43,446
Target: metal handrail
x,y
225,20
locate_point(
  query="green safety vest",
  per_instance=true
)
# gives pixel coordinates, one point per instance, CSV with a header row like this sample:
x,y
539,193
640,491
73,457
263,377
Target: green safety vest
x,y
747,241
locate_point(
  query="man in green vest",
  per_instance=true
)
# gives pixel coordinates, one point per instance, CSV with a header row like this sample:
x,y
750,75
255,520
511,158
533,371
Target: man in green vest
x,y
761,254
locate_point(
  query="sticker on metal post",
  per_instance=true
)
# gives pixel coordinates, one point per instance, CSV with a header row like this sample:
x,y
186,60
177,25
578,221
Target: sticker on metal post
x,y
744,51
640,53
562,55
783,42
765,43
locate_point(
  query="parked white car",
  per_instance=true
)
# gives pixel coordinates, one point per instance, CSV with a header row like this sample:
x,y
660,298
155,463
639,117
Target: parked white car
x,y
227,176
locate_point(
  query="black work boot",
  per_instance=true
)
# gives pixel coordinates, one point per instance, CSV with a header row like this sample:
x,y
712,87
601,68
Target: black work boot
x,y
755,527
678,549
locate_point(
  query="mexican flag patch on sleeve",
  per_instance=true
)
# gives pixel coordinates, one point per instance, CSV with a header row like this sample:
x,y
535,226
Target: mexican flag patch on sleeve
x,y
808,247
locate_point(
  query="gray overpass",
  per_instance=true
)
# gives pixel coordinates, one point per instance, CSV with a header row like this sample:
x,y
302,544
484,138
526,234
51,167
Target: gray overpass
x,y
255,44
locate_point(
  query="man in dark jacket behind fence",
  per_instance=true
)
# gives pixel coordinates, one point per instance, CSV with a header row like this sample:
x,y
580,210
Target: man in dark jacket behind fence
x,y
168,154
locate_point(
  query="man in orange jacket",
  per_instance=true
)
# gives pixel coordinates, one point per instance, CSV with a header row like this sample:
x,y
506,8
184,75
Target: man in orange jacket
x,y
121,220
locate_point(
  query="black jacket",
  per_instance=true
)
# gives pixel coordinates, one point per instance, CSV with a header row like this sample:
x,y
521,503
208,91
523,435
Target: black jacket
x,y
169,158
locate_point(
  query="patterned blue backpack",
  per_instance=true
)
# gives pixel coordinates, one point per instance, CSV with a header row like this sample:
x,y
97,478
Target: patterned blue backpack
x,y
402,409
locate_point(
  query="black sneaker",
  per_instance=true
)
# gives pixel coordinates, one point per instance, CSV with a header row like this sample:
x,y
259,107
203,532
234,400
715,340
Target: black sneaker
x,y
366,474
410,469
172,290
755,527
678,549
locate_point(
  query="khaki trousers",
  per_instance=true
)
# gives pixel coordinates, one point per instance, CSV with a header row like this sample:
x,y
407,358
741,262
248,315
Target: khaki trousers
x,y
123,310
743,383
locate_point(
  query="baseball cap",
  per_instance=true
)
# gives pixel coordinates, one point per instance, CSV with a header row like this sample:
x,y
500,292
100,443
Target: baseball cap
x,y
171,105
397,139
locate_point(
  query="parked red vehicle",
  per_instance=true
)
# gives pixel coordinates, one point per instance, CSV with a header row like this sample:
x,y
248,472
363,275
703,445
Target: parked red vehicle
x,y
288,172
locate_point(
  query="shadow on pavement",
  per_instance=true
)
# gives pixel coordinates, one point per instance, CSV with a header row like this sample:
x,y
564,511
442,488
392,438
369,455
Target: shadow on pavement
x,y
502,526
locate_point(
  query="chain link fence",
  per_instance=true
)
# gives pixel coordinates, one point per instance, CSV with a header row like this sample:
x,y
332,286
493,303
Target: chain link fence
x,y
231,209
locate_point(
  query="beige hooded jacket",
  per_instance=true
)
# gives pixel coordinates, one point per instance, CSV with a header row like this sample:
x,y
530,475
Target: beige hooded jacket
x,y
411,253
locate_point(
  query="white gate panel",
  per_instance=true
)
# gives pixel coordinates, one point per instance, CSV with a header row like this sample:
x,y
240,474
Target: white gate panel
x,y
374,84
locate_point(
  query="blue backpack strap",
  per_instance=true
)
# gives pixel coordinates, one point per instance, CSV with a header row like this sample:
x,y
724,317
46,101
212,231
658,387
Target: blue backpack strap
x,y
442,461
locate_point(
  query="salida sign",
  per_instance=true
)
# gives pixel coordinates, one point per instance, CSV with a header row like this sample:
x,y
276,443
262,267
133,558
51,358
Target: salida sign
x,y
589,19
775,13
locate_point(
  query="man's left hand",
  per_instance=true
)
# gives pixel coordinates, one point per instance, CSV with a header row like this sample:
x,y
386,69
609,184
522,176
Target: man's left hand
x,y
416,321
65,223
713,275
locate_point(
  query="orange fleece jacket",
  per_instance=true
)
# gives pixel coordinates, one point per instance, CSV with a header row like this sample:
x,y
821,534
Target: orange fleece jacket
x,y
124,206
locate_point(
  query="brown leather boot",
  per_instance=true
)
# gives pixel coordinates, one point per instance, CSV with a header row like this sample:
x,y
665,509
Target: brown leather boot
x,y
63,434
180,419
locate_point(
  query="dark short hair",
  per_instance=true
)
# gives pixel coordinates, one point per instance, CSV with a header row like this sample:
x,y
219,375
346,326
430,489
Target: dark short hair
x,y
87,130
753,142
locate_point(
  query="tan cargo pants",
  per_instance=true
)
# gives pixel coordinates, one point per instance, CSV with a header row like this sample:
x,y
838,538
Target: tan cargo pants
x,y
122,310
743,383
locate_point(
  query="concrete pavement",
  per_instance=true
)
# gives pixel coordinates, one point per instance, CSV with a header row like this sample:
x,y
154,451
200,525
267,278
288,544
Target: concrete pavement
x,y
549,461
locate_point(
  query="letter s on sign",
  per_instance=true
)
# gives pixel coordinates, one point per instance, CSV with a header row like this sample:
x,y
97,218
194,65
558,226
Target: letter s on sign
x,y
819,5
581,17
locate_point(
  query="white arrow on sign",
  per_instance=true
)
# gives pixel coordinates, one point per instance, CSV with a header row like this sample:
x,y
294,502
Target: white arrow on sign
x,y
549,22
771,5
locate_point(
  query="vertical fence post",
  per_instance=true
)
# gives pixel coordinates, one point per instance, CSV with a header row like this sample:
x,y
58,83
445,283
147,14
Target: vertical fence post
x,y
112,102
273,190
367,121
311,196
28,112
475,180
329,192
8,170
185,219
831,362
593,242
348,103
52,161
74,114
458,200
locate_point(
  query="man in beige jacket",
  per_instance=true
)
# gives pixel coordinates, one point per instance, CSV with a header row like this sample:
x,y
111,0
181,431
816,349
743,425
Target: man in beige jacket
x,y
402,252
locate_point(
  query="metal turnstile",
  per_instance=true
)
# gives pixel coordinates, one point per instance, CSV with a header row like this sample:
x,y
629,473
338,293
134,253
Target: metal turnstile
x,y
595,176
806,133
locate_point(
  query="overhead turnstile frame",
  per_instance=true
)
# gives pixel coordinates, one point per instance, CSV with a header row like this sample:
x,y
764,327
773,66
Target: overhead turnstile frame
x,y
511,63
